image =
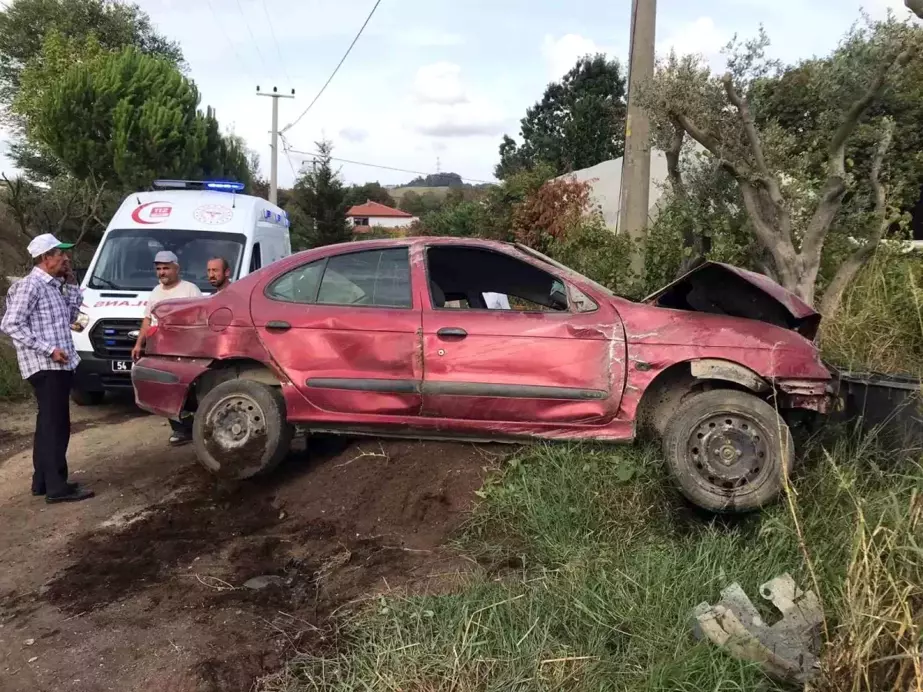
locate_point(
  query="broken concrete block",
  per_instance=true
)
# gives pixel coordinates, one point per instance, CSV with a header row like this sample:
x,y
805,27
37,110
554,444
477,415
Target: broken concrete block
x,y
787,650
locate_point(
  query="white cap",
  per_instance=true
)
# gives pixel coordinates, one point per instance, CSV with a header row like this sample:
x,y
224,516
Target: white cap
x,y
46,243
165,257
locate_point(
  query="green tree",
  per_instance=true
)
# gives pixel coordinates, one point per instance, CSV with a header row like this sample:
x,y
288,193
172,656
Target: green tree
x,y
25,25
795,190
374,192
127,118
320,199
579,122
463,220
412,203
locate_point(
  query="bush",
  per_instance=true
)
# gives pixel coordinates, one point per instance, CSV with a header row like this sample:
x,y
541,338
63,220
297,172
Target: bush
x,y
12,386
598,253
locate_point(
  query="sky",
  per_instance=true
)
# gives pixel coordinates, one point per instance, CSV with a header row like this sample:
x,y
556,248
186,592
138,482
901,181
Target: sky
x,y
435,85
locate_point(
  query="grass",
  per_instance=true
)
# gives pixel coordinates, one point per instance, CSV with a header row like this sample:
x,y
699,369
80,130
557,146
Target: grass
x,y
589,565
398,192
880,325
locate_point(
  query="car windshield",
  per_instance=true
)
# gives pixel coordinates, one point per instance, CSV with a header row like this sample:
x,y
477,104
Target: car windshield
x,y
126,261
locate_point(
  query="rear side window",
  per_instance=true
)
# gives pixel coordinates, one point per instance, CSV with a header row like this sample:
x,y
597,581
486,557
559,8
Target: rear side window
x,y
378,278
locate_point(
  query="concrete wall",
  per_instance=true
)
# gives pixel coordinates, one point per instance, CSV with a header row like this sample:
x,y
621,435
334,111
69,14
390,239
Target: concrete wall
x,y
605,179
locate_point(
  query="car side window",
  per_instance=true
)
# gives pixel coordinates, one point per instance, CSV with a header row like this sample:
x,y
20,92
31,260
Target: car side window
x,y
373,277
298,285
466,277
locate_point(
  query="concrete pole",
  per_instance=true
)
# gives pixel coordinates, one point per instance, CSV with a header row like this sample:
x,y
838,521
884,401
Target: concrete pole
x,y
274,146
636,164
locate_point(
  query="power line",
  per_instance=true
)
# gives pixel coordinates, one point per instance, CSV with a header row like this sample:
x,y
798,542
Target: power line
x,y
227,38
336,69
387,168
275,40
256,43
288,156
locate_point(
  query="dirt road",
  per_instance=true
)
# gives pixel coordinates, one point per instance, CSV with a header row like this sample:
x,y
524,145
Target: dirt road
x,y
143,587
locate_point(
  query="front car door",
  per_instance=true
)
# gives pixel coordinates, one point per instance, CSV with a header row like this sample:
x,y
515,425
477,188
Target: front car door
x,y
547,359
345,330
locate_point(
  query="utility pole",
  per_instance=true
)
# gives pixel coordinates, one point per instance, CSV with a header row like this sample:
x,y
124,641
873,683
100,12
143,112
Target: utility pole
x,y
274,163
636,163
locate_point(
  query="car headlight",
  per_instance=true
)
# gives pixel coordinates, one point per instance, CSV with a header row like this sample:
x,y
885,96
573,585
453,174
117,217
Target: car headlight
x,y
81,322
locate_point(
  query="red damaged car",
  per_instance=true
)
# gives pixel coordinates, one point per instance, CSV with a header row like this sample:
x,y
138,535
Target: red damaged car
x,y
394,338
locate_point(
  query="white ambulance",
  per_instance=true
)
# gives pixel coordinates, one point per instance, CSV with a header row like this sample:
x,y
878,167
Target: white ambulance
x,y
197,221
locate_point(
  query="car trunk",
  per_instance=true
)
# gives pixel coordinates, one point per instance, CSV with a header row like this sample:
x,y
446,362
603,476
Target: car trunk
x,y
722,289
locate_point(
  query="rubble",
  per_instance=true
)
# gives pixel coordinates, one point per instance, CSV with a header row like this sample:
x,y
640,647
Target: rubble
x,y
787,650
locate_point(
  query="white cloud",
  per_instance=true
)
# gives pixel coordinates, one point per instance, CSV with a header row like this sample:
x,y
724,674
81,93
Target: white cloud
x,y
439,83
444,108
462,120
878,9
561,54
700,37
354,134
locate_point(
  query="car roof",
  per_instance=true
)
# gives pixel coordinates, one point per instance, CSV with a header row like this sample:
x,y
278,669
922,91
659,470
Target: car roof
x,y
355,245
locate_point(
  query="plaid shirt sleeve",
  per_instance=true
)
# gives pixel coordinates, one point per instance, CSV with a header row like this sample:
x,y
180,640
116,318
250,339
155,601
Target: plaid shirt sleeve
x,y
20,302
74,297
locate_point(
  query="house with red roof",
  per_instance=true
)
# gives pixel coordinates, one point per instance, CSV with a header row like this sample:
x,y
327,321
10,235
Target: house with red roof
x,y
365,216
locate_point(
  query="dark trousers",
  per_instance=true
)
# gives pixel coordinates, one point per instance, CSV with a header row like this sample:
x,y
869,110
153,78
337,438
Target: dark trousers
x,y
181,427
52,431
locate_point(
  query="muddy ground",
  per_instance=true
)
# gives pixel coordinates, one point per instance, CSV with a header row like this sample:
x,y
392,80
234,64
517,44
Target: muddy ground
x,y
142,587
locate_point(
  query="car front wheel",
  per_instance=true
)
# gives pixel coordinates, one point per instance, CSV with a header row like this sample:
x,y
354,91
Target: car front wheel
x,y
728,451
240,429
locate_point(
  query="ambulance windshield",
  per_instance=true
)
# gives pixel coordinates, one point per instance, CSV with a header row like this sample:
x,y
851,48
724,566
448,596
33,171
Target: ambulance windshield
x,y
126,259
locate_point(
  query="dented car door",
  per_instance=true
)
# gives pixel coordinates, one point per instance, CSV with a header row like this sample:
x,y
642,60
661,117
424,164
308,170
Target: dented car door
x,y
525,364
346,331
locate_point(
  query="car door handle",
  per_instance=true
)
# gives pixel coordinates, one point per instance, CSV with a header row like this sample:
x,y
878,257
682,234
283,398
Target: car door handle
x,y
278,325
451,333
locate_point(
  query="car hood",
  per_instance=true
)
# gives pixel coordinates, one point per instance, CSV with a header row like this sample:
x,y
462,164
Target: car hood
x,y
723,289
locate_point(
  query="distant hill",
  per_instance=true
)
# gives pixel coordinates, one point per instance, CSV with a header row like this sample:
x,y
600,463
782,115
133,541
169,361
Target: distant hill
x,y
437,180
436,184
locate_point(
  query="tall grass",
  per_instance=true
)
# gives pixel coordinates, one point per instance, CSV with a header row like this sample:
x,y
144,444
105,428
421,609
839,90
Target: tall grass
x,y
589,566
880,324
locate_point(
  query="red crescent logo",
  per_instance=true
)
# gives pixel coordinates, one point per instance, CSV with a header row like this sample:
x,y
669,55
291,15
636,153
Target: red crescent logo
x,y
136,214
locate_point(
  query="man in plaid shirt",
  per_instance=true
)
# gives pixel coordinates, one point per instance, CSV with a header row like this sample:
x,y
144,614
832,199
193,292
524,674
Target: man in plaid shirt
x,y
39,311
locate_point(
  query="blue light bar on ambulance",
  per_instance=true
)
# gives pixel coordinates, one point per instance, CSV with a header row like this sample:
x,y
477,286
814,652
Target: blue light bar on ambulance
x,y
218,185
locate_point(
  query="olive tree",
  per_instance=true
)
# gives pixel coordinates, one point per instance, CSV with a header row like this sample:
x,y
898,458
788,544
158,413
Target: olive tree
x,y
793,189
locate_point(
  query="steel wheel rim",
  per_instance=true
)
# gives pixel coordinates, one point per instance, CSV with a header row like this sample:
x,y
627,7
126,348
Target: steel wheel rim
x,y
729,453
235,422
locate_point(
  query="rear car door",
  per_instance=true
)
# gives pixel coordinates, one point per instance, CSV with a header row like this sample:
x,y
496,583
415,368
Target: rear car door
x,y
345,330
547,359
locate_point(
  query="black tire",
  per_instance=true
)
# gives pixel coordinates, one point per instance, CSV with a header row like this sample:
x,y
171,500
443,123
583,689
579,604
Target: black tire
x,y
240,429
84,398
727,451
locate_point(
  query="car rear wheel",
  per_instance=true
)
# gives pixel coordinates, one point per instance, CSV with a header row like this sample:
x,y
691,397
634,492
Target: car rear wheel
x,y
84,398
728,451
240,429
